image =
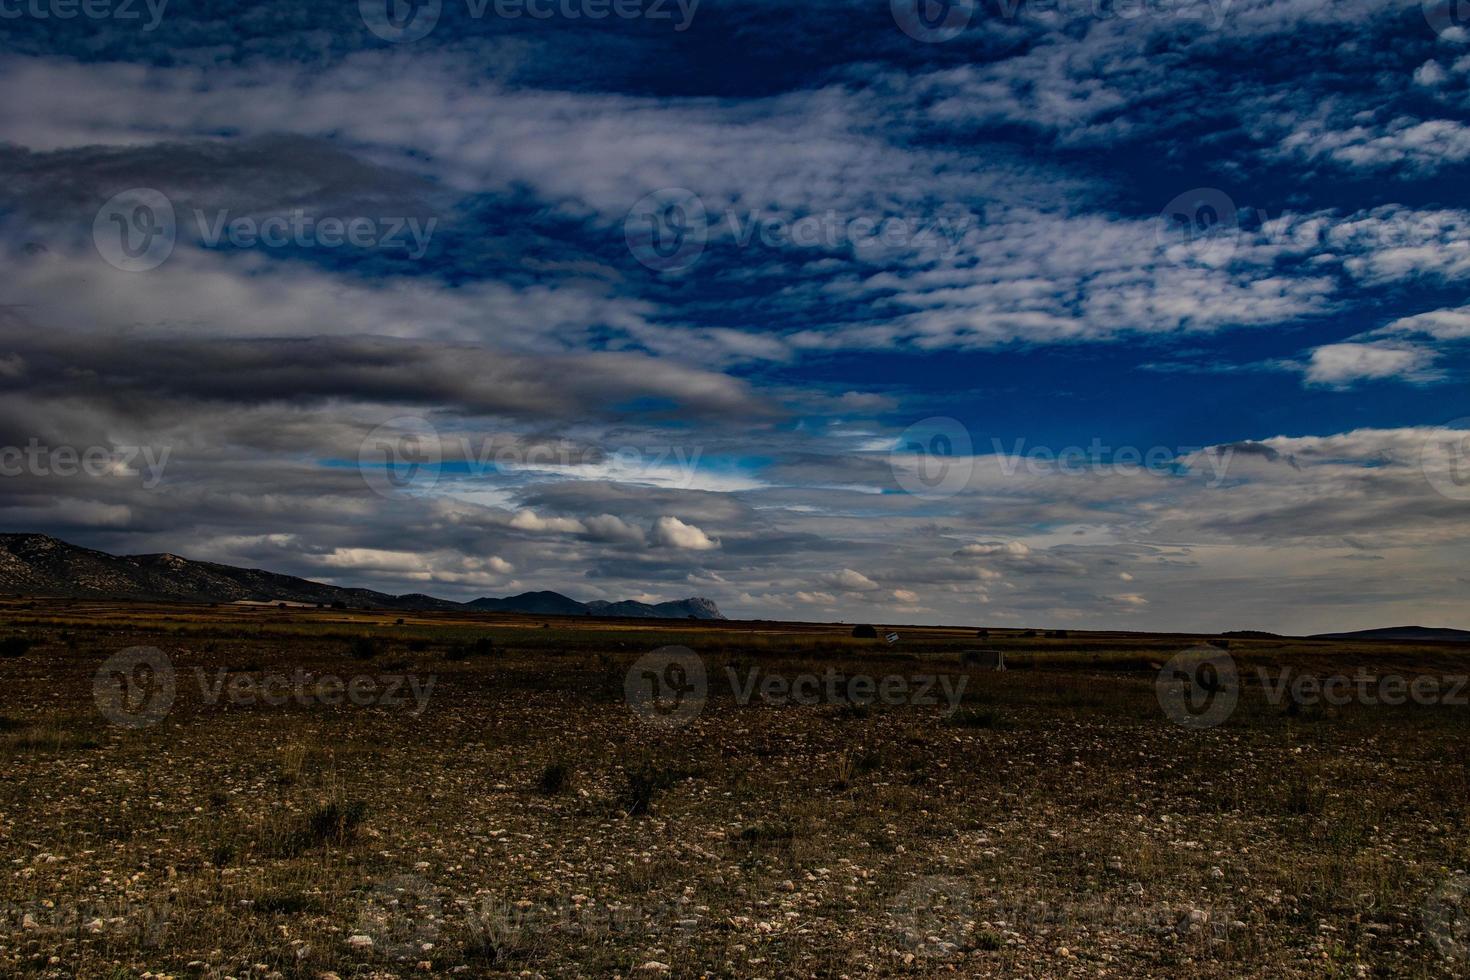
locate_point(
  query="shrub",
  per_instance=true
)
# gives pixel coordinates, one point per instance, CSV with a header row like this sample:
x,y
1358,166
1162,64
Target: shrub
x,y
482,647
864,632
974,718
554,778
15,646
646,778
331,824
362,648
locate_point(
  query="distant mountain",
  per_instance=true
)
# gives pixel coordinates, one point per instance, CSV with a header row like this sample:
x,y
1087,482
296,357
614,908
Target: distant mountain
x,y
37,564
1422,633
556,604
536,603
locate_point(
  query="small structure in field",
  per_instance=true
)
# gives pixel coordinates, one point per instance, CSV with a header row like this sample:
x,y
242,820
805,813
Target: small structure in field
x,y
985,659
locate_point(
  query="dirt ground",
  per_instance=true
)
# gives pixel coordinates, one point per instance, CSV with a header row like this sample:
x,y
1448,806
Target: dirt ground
x,y
308,793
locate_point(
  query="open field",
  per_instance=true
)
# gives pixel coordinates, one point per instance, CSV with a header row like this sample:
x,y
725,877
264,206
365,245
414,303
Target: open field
x,y
512,807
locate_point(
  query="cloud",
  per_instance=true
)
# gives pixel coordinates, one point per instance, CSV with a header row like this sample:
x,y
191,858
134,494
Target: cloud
x,y
526,520
674,533
849,580
1342,365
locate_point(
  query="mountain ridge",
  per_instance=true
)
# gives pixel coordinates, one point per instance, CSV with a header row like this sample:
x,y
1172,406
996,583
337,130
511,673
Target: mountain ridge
x,y
1423,633
39,564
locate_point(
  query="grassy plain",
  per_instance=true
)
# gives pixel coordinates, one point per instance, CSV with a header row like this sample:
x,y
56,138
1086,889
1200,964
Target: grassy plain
x,y
522,819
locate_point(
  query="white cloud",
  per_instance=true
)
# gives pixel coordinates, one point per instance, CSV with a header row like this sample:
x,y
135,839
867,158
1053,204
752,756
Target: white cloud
x,y
674,533
849,580
1340,365
526,520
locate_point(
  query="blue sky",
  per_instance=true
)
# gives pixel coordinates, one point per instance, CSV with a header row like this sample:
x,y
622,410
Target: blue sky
x,y
658,299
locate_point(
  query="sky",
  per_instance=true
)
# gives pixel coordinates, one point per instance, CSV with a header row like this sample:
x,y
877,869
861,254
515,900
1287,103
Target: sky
x,y
1126,314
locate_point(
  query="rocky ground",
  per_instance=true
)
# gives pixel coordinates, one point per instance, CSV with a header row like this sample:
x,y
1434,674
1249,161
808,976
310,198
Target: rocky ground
x,y
523,819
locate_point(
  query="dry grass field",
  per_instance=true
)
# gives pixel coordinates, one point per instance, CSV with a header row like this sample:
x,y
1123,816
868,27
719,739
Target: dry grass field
x,y
490,802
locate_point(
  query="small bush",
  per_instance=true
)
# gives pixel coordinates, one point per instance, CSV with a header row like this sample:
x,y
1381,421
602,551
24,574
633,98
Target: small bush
x,y
482,647
647,778
554,778
766,833
15,646
332,824
362,648
974,718
864,632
